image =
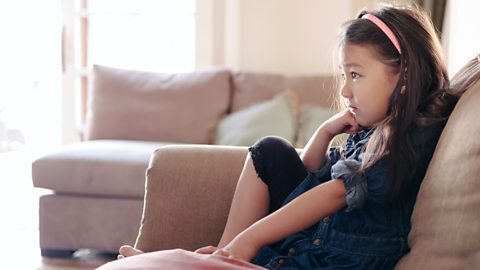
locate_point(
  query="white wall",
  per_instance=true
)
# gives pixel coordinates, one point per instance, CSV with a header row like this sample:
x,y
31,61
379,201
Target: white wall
x,y
288,36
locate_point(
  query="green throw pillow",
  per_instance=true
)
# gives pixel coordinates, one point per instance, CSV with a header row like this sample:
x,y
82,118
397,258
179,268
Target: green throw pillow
x,y
311,117
275,117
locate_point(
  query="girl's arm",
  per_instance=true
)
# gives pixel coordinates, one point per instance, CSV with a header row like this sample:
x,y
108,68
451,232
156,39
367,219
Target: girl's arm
x,y
313,155
302,212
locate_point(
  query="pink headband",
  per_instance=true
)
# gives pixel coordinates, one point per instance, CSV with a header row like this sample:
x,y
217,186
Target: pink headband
x,y
384,28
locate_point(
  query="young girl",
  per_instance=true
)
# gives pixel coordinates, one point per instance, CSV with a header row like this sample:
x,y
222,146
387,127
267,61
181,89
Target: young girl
x,y
349,208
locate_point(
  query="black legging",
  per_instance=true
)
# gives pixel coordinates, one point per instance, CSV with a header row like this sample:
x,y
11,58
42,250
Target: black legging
x,y
278,164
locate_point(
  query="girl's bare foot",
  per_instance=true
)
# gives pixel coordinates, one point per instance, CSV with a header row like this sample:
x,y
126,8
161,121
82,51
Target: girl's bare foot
x,y
127,251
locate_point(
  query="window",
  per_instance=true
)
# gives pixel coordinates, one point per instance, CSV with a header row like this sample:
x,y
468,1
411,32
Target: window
x,y
148,35
30,84
462,41
141,34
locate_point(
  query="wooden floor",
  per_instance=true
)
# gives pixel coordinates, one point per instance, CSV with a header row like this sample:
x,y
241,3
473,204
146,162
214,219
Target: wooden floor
x,y
74,264
19,222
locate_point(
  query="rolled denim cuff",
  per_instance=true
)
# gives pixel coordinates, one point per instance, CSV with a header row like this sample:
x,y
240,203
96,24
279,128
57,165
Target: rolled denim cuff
x,y
355,184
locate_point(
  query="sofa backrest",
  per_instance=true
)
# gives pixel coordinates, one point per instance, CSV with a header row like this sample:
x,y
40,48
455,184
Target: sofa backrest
x,y
183,108
147,106
446,219
253,87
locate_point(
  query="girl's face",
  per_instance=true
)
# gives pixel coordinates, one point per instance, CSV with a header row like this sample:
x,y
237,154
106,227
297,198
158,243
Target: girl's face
x,y
367,83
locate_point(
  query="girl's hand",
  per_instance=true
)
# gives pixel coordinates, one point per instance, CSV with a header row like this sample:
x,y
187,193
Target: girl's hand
x,y
240,248
206,250
342,122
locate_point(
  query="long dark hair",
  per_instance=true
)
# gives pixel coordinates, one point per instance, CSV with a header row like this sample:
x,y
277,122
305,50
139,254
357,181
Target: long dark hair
x,y
428,98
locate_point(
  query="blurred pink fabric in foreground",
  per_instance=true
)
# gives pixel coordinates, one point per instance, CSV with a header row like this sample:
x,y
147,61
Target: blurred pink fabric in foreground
x,y
178,259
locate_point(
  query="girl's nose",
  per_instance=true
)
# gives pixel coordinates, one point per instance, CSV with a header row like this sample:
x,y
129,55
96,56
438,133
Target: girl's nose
x,y
345,91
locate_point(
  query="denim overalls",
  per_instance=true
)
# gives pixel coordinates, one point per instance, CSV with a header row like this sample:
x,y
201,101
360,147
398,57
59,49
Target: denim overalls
x,y
363,235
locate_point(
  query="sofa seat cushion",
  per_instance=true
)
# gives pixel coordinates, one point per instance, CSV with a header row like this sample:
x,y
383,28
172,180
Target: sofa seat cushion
x,y
103,167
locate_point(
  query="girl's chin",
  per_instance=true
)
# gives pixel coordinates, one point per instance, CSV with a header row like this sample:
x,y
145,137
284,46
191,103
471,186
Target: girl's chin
x,y
366,122
363,124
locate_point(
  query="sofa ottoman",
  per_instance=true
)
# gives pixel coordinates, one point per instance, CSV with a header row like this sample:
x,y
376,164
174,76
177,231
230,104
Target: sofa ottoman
x,y
97,195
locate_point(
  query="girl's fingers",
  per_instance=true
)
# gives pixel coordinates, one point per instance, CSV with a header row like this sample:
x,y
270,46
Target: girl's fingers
x,y
353,126
206,250
222,252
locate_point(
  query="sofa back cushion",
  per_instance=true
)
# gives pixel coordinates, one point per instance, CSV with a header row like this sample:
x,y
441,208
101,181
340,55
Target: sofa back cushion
x,y
274,117
446,219
254,87
147,106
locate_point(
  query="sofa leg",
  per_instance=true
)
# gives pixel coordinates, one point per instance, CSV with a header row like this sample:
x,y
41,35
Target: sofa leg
x,y
77,254
57,253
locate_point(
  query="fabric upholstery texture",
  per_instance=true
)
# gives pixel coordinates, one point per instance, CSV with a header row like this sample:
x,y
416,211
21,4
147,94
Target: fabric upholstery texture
x,y
446,218
102,167
189,191
68,222
138,105
274,117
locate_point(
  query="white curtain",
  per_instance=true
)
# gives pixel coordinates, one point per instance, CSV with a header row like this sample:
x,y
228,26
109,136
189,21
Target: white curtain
x,y
461,37
30,73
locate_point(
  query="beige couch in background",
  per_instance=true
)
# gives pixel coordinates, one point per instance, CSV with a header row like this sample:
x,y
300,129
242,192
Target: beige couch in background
x,y
189,189
98,185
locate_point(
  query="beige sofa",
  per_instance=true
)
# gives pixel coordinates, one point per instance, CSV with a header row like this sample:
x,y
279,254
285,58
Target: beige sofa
x,y
189,189
98,185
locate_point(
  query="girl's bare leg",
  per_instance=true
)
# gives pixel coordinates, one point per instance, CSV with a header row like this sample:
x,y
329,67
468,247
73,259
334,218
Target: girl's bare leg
x,y
250,203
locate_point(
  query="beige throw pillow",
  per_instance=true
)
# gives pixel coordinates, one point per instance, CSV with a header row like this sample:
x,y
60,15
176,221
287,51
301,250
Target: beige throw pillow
x,y
147,106
446,219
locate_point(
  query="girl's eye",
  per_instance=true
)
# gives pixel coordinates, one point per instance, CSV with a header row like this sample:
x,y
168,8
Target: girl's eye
x,y
354,75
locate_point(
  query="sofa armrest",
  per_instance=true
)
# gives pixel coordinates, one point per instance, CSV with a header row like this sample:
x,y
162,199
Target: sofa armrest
x,y
189,189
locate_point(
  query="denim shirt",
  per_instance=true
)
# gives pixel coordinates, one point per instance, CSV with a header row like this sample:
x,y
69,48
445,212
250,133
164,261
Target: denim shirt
x,y
364,234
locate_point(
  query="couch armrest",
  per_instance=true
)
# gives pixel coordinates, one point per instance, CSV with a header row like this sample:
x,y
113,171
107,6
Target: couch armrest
x,y
189,189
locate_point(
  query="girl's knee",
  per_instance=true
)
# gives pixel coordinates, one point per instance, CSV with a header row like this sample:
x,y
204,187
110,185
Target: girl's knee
x,y
273,144
271,154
